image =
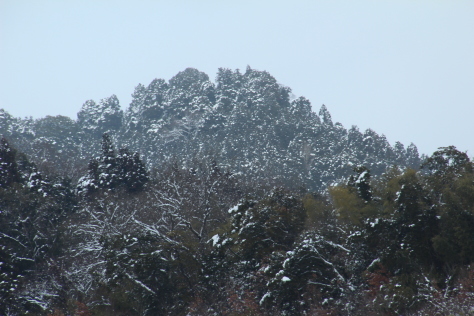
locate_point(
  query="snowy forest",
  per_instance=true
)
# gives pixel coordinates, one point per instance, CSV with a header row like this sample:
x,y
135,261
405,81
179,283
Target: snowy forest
x,y
228,198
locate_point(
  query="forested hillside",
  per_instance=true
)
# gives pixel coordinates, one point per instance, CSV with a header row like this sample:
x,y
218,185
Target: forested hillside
x,y
228,198
246,122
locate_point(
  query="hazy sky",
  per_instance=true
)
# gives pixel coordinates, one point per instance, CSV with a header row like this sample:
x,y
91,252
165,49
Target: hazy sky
x,y
403,68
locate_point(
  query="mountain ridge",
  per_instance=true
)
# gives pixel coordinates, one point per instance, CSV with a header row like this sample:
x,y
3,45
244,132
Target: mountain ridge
x,y
245,121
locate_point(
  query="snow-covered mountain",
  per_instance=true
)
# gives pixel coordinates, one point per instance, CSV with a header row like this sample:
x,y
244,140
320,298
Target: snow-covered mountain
x,y
210,198
247,122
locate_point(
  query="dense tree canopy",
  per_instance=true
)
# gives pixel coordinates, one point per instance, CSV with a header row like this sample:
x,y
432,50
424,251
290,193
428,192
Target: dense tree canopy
x,y
245,120
201,241
228,198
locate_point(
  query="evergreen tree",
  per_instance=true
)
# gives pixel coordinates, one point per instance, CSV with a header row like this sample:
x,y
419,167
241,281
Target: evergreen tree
x,y
308,274
270,225
451,177
97,119
325,115
132,171
9,172
32,210
361,181
108,169
448,163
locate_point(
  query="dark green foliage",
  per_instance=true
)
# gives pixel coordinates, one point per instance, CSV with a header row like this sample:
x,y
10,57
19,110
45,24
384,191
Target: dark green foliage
x,y
325,115
132,171
176,241
246,121
138,276
107,169
171,247
417,218
55,149
402,240
111,171
455,243
451,174
32,211
447,161
306,274
97,119
9,172
361,181
269,225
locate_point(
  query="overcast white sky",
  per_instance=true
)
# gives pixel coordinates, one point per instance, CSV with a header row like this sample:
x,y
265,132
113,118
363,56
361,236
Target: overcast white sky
x,y
403,68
